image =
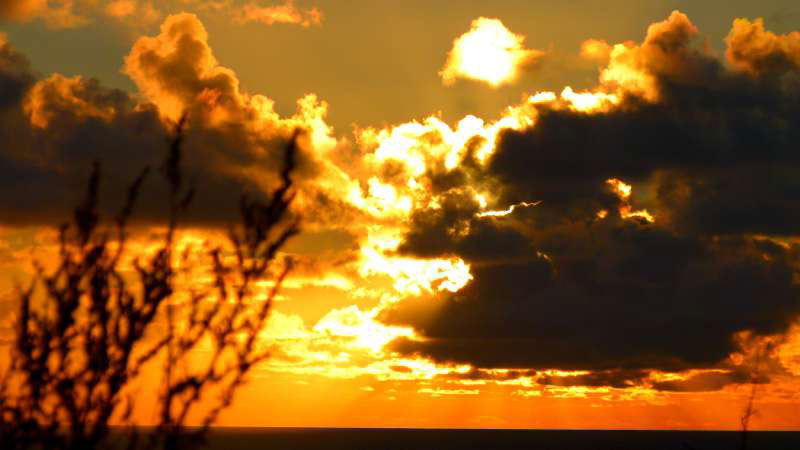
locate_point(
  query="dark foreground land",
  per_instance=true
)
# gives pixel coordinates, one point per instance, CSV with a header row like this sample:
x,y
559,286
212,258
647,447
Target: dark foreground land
x,y
416,439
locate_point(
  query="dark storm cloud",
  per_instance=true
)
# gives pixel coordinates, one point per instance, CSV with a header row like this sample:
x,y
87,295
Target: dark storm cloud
x,y
710,125
710,381
726,127
610,378
484,375
611,295
42,169
714,157
436,234
15,76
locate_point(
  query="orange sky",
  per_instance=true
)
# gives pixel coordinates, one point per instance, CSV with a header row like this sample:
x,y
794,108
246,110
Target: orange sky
x,y
609,249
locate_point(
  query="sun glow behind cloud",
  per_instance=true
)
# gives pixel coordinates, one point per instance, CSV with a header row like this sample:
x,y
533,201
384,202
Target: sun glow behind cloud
x,y
410,275
366,332
505,212
488,52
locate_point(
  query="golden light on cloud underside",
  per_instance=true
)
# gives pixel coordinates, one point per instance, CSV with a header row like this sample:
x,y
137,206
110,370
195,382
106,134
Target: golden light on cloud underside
x,y
416,144
366,332
418,148
589,101
414,275
620,188
488,52
345,344
626,212
438,392
624,191
68,92
507,211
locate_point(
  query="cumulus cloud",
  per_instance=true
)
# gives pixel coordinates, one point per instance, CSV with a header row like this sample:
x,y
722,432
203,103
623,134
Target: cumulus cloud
x,y
55,127
584,280
667,54
759,52
177,70
133,11
57,97
488,52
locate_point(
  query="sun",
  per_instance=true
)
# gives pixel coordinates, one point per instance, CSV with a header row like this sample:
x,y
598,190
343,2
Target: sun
x,y
488,52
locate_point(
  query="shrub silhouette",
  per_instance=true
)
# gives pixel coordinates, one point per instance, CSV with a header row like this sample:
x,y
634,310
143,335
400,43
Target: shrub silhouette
x,y
81,335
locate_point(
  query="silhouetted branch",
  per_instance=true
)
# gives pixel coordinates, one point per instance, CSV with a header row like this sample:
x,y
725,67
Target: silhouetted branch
x,y
83,341
749,410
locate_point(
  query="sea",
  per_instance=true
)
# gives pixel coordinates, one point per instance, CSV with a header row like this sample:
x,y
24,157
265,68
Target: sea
x,y
434,439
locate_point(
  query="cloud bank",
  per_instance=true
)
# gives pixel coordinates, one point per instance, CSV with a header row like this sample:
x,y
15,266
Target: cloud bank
x,y
581,282
54,127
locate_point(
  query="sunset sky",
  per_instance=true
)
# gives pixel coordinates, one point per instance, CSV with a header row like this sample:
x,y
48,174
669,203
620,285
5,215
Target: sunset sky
x,y
515,214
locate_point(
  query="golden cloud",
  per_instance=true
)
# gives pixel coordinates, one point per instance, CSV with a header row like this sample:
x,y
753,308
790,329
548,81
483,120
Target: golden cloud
x,y
138,12
286,13
121,8
56,94
21,9
758,52
54,13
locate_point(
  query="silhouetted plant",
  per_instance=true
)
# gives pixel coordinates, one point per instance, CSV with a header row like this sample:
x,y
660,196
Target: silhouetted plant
x,y
749,410
81,335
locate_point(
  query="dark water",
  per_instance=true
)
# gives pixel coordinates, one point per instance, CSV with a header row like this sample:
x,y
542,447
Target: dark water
x,y
411,439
